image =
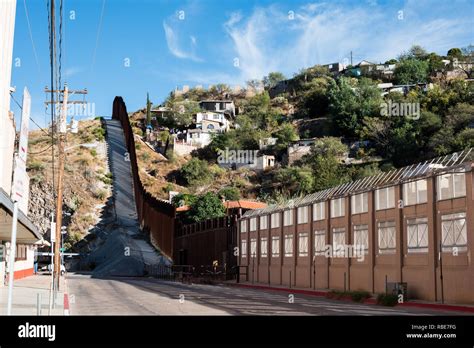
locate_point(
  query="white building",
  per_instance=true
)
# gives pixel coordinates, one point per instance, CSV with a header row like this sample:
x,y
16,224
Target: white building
x,y
27,233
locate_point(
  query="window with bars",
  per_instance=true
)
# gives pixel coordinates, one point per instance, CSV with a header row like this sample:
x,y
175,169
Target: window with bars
x,y
275,220
263,246
275,246
288,217
253,247
385,198
387,237
20,252
243,226
451,185
303,244
454,232
264,222
253,224
319,242
288,245
360,203
319,211
337,207
361,238
415,192
243,248
303,215
338,240
417,235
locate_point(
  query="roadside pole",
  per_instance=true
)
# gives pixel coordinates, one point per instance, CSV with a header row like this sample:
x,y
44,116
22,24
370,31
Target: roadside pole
x,y
51,289
11,261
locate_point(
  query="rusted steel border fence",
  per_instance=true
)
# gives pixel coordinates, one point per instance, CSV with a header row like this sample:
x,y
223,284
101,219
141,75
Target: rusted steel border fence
x,y
155,216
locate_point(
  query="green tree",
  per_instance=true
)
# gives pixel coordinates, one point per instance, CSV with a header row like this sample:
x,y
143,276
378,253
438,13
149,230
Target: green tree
x,y
460,116
148,110
205,207
348,104
410,71
196,172
325,163
455,53
272,79
285,135
294,180
229,193
182,199
183,113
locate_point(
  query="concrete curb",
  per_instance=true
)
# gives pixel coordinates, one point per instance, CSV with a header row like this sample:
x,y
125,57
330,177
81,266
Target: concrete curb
x,y
370,301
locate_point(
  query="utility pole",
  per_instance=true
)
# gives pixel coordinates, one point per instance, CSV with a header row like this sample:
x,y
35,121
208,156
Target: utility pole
x,y
351,58
61,129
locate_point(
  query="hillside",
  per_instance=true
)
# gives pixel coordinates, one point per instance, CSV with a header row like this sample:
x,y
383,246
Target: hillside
x,y
86,179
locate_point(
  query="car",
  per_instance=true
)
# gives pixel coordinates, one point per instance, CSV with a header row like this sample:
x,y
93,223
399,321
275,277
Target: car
x,y
63,269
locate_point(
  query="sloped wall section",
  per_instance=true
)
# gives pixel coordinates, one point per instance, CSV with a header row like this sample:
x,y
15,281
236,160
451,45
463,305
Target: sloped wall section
x,y
155,216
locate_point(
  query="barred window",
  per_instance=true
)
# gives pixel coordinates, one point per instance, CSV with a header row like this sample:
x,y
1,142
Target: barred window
x,y
360,203
243,226
453,232
337,207
303,215
253,224
253,247
385,198
361,238
319,242
303,244
387,237
451,186
338,240
319,211
417,235
275,246
415,192
264,222
275,220
288,217
263,246
243,248
288,245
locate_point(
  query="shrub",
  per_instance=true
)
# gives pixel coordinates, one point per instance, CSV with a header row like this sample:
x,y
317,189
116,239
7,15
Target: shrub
x,y
145,156
100,194
138,146
36,165
196,172
359,296
387,299
99,133
37,178
229,193
94,152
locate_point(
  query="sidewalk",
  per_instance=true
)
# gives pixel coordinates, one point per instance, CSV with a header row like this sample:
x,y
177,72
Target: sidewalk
x,y
25,294
468,309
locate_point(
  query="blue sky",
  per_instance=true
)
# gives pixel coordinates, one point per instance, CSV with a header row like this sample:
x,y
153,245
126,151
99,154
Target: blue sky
x,y
170,43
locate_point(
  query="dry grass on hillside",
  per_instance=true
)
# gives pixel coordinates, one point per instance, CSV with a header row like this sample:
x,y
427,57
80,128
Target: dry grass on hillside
x,y
86,181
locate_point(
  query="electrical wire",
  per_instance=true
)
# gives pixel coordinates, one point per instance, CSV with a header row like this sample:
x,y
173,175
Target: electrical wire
x,y
31,118
31,36
98,35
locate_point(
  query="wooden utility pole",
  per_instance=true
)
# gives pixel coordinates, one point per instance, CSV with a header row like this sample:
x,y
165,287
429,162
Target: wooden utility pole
x,y
61,129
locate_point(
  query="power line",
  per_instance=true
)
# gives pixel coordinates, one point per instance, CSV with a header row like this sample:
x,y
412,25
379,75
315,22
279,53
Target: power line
x,y
31,118
98,34
31,36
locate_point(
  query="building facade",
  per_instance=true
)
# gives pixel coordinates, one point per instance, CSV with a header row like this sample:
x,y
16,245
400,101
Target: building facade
x,y
412,225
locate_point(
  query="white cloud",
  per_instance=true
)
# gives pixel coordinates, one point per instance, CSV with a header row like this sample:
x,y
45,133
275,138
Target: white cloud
x,y
322,33
173,42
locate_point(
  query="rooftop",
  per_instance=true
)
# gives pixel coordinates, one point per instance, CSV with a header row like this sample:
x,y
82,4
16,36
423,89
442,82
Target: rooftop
x,y
414,172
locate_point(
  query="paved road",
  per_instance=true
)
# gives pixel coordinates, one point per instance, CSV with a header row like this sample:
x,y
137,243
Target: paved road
x,y
147,296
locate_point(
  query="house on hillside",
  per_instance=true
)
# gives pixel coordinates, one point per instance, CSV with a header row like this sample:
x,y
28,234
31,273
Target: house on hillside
x,y
226,107
298,149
